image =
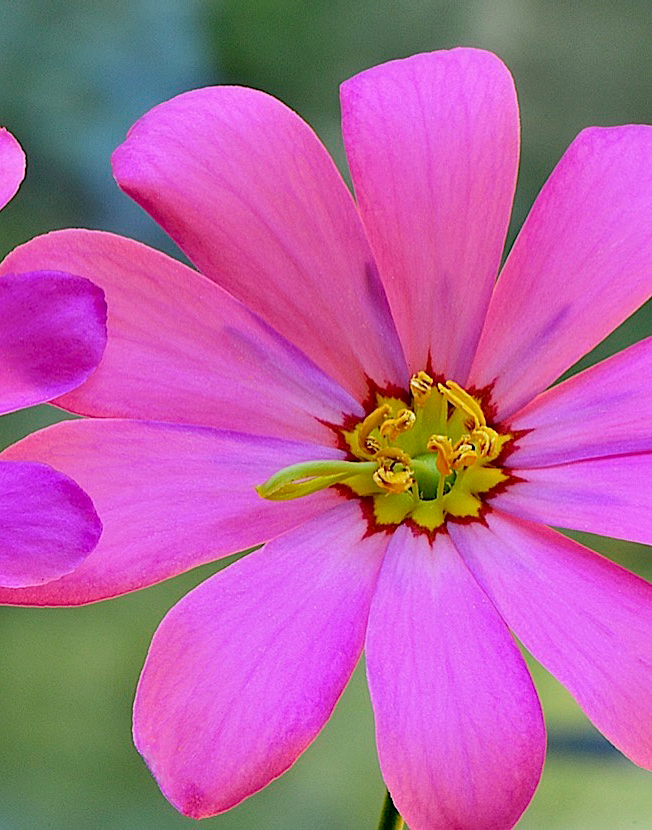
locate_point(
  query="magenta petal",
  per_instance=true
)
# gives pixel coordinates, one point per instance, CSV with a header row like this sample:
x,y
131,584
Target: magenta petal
x,y
182,350
244,672
611,496
52,335
249,193
605,410
433,143
579,267
588,621
12,166
47,524
170,498
460,732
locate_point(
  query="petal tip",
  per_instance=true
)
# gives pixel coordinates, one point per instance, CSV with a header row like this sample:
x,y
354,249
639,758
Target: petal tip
x,y
480,60
12,166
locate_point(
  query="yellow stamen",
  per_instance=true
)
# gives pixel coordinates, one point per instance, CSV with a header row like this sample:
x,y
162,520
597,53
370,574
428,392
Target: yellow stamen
x,y
443,446
486,440
392,455
461,400
373,445
421,386
440,487
393,480
465,453
393,427
370,423
394,473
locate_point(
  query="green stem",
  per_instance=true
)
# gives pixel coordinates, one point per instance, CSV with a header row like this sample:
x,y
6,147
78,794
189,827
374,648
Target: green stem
x,y
390,818
427,474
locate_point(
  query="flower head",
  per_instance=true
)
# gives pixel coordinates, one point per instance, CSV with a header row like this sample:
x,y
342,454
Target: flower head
x,y
52,334
359,368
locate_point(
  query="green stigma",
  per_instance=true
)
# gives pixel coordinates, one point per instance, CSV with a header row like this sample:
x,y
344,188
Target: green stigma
x,y
308,477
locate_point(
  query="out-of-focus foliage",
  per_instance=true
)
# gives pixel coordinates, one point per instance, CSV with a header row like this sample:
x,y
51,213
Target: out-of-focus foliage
x,y
575,64
73,77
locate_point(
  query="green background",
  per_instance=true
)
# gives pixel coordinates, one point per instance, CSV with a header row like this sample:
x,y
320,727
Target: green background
x,y
73,77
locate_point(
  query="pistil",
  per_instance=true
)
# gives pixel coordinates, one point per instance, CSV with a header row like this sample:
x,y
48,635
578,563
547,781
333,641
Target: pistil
x,y
308,477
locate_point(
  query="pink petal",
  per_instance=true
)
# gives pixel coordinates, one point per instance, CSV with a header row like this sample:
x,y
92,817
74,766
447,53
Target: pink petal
x,y
588,621
433,145
52,335
460,733
170,498
244,672
580,266
47,524
248,192
181,350
12,166
611,496
605,410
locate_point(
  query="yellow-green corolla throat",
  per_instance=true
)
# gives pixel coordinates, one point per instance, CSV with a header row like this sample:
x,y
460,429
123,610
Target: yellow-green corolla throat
x,y
423,463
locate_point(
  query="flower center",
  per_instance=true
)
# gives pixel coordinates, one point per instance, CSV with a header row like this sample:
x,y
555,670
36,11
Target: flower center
x,y
421,463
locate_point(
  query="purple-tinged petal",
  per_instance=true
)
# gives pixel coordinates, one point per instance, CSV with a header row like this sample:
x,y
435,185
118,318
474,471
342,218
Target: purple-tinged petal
x,y
605,410
611,496
461,738
47,524
170,498
588,621
52,335
12,166
244,672
248,192
433,143
581,264
182,350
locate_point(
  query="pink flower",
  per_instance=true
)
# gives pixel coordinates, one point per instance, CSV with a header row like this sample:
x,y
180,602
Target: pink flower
x,y
368,349
52,334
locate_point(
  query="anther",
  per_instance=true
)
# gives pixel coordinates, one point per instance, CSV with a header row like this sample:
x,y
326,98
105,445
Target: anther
x,y
373,445
443,446
393,427
461,400
394,474
392,455
486,440
465,453
370,423
421,386
391,480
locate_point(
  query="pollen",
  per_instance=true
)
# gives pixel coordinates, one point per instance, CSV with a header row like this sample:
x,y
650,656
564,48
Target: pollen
x,y
425,459
392,477
421,386
393,427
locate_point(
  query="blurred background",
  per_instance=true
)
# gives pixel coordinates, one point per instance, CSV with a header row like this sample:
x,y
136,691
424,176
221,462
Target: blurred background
x,y
74,76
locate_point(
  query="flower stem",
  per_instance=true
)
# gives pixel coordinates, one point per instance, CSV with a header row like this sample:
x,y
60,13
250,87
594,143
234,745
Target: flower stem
x,y
389,818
